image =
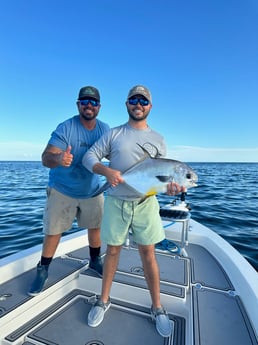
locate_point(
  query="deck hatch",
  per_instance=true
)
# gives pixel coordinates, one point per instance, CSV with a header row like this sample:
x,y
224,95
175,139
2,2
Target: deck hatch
x,y
220,318
206,269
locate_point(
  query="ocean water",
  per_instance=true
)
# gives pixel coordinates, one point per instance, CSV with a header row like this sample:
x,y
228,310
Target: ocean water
x,y
226,200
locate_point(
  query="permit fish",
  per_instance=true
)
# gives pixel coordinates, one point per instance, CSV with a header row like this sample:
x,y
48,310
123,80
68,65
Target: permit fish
x,y
151,175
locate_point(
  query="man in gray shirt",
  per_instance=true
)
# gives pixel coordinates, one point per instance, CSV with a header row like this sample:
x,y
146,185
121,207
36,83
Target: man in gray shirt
x,y
124,208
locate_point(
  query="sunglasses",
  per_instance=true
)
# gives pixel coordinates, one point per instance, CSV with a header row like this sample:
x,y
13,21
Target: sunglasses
x,y
91,101
142,101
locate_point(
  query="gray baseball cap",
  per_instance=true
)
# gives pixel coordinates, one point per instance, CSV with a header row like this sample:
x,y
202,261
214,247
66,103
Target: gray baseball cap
x,y
140,90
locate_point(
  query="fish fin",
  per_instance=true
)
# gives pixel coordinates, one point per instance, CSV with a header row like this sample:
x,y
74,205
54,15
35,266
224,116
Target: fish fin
x,y
152,191
147,152
139,161
146,156
164,178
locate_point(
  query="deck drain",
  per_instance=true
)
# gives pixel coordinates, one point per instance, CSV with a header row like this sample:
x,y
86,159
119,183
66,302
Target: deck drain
x,y
137,270
94,342
5,296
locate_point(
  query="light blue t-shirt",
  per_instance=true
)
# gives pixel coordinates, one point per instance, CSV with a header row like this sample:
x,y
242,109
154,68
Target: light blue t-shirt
x,y
75,181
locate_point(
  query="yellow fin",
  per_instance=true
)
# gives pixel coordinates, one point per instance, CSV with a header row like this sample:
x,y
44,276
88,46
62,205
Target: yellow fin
x,y
151,191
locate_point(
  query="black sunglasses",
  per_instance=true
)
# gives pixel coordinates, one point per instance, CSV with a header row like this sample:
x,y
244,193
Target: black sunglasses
x,y
93,102
142,101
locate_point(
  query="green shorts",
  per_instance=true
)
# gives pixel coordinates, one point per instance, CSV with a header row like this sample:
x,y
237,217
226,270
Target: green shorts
x,y
143,219
61,211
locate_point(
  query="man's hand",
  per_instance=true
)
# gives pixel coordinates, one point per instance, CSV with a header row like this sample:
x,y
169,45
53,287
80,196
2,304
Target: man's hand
x,y
114,177
174,188
66,157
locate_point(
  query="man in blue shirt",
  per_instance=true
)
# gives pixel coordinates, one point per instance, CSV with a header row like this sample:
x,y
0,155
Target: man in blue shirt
x,y
71,186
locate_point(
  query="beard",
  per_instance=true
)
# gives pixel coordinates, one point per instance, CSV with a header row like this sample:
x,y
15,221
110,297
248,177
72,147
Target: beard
x,y
88,117
139,118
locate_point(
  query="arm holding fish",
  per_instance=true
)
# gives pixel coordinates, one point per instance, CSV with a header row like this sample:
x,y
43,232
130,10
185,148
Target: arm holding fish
x,y
92,160
113,176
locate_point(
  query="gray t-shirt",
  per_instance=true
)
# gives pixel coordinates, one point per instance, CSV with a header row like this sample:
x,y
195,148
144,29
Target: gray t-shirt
x,y
122,145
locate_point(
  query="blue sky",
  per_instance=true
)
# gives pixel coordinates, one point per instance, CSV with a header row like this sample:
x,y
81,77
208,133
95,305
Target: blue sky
x,y
199,59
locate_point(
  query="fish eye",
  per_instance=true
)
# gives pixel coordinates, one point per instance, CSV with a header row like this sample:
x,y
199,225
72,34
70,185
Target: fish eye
x,y
188,176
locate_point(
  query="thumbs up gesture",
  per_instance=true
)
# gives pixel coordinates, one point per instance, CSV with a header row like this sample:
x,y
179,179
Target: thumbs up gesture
x,y
67,157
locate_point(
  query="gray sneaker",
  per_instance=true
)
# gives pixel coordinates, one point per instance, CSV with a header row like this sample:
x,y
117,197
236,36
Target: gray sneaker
x,y
96,265
163,325
97,312
40,280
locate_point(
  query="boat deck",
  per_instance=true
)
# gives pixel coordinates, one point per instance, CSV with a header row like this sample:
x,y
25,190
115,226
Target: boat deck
x,y
195,290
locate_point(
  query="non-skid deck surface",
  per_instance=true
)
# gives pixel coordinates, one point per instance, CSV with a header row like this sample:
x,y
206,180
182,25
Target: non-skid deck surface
x,y
123,324
219,316
14,292
173,272
206,270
